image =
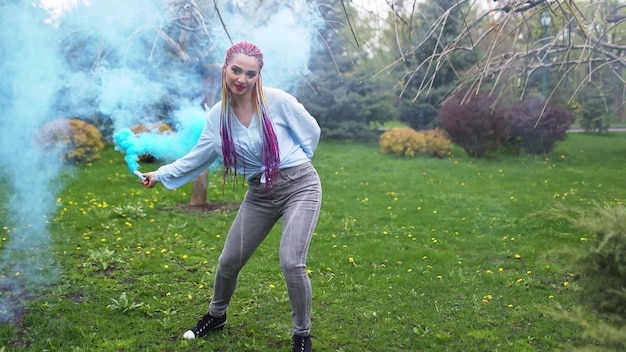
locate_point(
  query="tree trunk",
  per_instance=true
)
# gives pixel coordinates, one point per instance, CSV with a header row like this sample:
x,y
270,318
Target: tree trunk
x,y
618,95
198,192
210,87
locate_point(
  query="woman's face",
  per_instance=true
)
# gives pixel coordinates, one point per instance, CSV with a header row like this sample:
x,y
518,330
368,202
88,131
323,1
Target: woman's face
x,y
242,73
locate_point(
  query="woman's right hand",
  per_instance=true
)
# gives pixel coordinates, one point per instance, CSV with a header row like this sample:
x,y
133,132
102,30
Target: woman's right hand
x,y
149,179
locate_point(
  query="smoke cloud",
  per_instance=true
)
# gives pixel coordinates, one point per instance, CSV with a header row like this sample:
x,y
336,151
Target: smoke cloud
x,y
116,62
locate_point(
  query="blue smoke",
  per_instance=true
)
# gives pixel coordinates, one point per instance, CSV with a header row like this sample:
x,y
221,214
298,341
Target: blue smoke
x,y
30,73
116,60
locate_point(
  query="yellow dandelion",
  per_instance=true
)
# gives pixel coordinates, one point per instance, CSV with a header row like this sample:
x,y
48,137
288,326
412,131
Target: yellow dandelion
x,y
566,284
517,256
272,286
190,297
351,260
500,270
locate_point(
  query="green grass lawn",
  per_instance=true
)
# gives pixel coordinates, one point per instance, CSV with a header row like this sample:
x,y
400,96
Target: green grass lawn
x,y
409,255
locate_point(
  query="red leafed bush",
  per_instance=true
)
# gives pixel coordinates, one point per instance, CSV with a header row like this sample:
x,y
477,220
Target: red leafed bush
x,y
537,132
475,123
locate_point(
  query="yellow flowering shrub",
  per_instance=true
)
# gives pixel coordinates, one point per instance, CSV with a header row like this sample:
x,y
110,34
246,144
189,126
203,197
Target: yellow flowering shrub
x,y
438,143
158,127
74,140
410,143
154,127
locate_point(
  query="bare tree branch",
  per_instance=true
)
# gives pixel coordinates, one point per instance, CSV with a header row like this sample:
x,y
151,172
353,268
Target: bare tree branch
x,y
579,43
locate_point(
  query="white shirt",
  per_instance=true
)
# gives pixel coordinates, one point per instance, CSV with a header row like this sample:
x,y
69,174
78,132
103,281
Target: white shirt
x,y
296,130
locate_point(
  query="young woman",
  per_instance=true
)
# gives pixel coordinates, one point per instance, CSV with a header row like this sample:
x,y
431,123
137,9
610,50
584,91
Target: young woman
x,y
267,136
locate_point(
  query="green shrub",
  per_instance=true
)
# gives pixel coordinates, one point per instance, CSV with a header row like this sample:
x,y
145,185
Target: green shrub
x,y
594,115
603,265
410,143
602,271
348,130
75,141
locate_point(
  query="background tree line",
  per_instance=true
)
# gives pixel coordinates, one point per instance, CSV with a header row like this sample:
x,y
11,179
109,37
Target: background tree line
x,y
401,65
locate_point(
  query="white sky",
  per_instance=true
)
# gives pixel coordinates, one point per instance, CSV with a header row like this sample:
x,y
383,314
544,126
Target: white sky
x,y
56,7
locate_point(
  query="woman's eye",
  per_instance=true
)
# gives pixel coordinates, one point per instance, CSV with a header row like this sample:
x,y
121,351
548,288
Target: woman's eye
x,y
251,74
236,70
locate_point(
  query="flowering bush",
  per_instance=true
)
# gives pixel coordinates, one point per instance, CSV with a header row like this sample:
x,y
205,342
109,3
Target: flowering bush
x,y
408,142
157,128
74,140
438,143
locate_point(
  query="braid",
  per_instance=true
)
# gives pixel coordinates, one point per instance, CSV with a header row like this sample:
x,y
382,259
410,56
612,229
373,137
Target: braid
x,y
270,154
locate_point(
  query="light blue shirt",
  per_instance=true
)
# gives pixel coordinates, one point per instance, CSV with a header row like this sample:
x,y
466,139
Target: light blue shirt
x,y
296,130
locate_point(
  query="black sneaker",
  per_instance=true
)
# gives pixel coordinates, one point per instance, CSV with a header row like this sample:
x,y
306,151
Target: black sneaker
x,y
206,324
301,344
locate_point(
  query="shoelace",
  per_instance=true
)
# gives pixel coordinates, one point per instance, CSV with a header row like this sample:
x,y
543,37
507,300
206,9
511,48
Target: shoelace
x,y
295,343
205,324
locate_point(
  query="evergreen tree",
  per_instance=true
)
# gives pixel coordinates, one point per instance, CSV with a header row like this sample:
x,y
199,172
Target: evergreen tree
x,y
339,92
425,80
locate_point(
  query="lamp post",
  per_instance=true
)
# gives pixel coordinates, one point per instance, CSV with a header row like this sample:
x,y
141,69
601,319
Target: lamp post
x,y
546,20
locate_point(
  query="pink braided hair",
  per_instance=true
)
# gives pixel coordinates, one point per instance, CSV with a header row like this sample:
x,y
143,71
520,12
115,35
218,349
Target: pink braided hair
x,y
270,155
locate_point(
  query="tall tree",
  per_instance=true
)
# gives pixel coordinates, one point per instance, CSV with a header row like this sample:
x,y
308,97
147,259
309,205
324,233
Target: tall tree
x,y
428,74
582,35
339,91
